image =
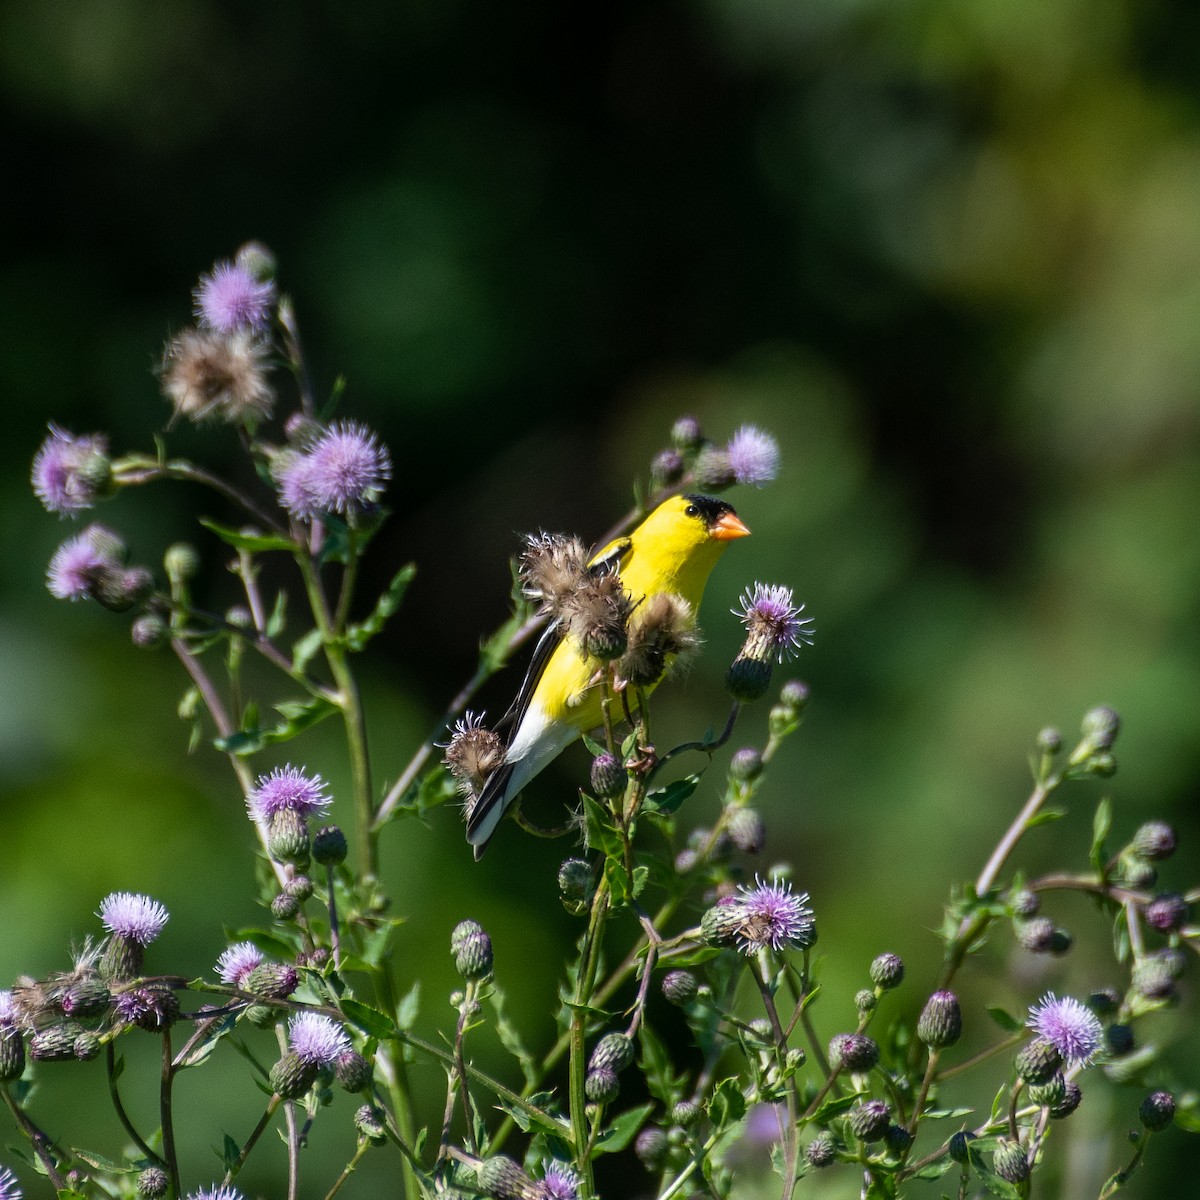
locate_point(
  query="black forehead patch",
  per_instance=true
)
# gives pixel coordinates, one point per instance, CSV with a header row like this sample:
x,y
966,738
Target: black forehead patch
x,y
708,508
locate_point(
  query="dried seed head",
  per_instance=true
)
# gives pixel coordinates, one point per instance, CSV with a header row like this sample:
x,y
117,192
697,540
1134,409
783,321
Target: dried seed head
x,y
551,569
596,616
472,754
662,632
209,375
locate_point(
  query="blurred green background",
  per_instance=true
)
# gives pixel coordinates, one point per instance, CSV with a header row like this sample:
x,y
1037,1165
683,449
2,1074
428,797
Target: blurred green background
x,y
948,253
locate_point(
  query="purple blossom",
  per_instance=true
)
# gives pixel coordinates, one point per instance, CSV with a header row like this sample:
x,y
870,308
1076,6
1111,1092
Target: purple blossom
x,y
133,917
1071,1027
215,1193
287,789
10,1189
753,456
237,962
67,470
774,626
317,1039
81,563
764,1125
8,1013
773,915
296,492
558,1183
348,468
231,298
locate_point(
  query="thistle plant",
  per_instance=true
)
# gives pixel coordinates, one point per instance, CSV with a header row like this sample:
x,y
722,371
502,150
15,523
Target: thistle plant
x,y
690,1029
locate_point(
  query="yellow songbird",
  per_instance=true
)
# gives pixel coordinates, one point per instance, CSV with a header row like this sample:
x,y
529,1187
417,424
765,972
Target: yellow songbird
x,y
671,552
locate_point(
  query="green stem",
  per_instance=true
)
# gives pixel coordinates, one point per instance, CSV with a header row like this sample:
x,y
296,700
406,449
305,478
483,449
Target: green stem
x,y
165,1114
348,1170
40,1142
115,1096
577,1071
259,1129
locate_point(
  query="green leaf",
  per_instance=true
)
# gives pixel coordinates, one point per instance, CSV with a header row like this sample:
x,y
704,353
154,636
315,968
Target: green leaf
x,y
230,1151
277,621
661,1081
248,541
341,541
623,1130
667,799
305,648
101,1164
727,1104
935,1170
601,835
1045,817
539,1121
510,1036
388,604
640,875
1004,1019
369,1020
1101,824
409,1006
298,715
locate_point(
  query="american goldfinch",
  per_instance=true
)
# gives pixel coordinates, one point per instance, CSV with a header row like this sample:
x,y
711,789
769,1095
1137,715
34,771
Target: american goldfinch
x,y
658,573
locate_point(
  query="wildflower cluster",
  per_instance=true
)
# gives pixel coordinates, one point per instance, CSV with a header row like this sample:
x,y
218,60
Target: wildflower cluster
x,y
690,1032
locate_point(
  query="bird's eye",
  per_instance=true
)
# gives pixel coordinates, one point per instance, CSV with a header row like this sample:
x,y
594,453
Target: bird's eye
x,y
691,511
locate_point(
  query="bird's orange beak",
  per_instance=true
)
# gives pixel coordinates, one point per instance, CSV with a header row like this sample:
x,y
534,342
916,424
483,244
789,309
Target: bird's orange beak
x,y
729,527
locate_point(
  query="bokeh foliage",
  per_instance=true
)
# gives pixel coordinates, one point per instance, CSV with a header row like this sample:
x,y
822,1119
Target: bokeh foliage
x,y
948,253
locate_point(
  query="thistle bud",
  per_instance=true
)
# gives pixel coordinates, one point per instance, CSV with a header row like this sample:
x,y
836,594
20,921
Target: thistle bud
x,y
292,1076
853,1051
329,846
1024,903
748,678
473,958
1102,764
747,830
679,987
685,1113
1157,1111
865,1001
1167,912
1049,1092
1060,942
602,1087
960,1146
869,1121
1011,1162
272,981
1154,978
1038,1060
1104,1002
1136,871
287,837
261,1016
1069,1103
502,1179
86,998
1118,1039
1100,727
651,1147
299,887
746,765
460,933
1036,935
12,1053
608,776
686,435
352,1071
1049,741
722,924
897,1139
256,260
575,884
149,631
940,1023
55,1043
612,1052
285,907
887,971
794,696
666,468
371,1123
152,1183
1154,841
821,1151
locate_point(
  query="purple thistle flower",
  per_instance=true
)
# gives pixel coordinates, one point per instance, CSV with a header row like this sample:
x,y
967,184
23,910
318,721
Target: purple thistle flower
x,y
296,491
753,456
317,1039
773,915
10,1189
133,917
287,789
67,470
8,1013
215,1193
1071,1027
764,1125
81,563
238,961
558,1183
347,468
231,298
774,626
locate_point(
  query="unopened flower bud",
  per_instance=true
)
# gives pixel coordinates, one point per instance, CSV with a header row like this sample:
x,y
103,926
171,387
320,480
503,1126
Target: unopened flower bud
x,y
887,971
1154,841
261,1016
1118,1038
256,260
55,1043
869,1121
686,435
960,1145
940,1023
1100,727
1011,1162
285,907
329,846
86,998
1024,903
299,887
1049,1092
747,830
473,959
853,1051
502,1179
651,1147
287,837
1157,1111
153,1183
602,1086
1104,1002
352,1071
1167,912
148,631
614,1051
12,1053
685,861
1060,942
897,1139
272,981
608,776
748,678
1038,1060
1072,1094
1137,872
794,695
865,1000
685,1113
1036,935
679,987
1154,978
371,1123
821,1151
666,468
1102,764
292,1076
746,765
1049,741
721,924
575,884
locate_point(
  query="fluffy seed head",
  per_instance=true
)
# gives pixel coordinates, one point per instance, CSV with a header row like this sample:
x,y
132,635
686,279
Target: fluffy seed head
x,y
775,916
1071,1027
662,633
472,754
774,627
231,298
68,471
133,917
317,1039
596,616
216,376
552,567
753,456
288,789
